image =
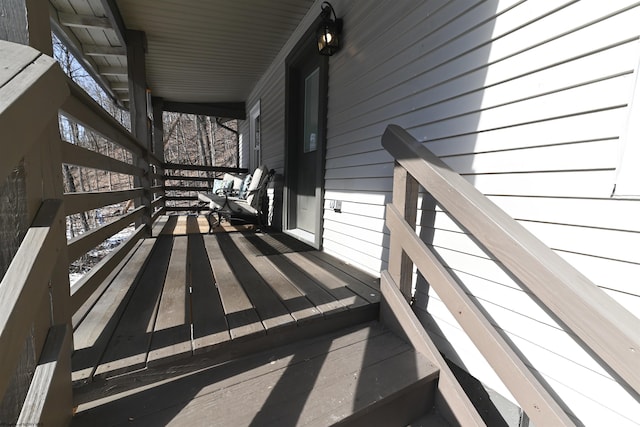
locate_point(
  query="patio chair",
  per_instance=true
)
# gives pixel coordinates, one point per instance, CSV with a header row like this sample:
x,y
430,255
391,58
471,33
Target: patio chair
x,y
247,206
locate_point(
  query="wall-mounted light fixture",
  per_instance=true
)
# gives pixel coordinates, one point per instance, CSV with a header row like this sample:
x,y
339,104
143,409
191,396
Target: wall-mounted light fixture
x,y
328,33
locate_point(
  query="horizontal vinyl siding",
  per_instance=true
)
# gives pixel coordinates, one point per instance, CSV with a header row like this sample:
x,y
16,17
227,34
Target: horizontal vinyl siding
x,y
270,93
528,101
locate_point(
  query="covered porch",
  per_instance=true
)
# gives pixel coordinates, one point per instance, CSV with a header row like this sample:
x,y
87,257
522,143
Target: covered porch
x,y
186,312
239,327
176,321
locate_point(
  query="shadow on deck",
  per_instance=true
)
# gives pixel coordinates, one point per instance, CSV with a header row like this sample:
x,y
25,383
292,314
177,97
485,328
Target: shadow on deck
x,y
184,300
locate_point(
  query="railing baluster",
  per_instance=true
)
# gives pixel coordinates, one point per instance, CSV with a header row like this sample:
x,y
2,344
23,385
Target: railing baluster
x,y
405,199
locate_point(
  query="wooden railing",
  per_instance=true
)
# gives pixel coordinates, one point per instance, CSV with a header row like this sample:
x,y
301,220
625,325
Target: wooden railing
x,y
143,169
603,326
183,182
37,306
34,291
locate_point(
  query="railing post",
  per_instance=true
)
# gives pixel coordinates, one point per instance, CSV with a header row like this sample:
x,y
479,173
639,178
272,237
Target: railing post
x,y
157,105
405,199
140,123
144,162
39,178
158,128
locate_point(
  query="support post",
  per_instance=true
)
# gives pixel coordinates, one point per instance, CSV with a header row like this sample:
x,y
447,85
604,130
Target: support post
x,y
140,123
158,128
157,104
405,199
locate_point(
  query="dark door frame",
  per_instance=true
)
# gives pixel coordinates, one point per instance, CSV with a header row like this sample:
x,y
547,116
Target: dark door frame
x,y
305,50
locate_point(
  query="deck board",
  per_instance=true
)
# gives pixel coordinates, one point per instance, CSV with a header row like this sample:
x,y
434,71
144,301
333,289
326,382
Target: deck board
x,y
334,284
242,317
94,298
268,306
365,285
285,243
92,336
209,322
299,306
172,331
185,293
320,297
129,346
366,292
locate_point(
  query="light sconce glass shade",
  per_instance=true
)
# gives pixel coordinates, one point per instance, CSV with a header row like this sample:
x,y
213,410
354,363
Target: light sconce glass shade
x,y
329,30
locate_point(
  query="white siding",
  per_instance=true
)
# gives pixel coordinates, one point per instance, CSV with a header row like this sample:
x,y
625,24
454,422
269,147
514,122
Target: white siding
x,y
528,100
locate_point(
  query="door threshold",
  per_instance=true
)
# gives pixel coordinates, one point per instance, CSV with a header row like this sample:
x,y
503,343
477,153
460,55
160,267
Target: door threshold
x,y
303,236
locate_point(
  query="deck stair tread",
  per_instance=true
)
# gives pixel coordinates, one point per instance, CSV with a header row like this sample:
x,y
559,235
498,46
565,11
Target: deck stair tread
x,y
184,292
431,419
355,376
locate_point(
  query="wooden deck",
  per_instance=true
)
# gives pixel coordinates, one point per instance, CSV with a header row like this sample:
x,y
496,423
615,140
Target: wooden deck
x,y
183,293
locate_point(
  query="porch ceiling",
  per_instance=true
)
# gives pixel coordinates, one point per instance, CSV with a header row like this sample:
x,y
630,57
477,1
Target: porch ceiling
x,y
198,51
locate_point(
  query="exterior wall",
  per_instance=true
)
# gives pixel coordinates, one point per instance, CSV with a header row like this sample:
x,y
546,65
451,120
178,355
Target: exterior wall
x,y
270,91
529,101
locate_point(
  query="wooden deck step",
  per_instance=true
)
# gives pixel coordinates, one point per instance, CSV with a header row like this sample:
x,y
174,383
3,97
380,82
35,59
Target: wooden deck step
x,y
361,376
430,420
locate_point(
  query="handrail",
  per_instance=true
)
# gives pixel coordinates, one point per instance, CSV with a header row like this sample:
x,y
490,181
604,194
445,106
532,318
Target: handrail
x,y
26,75
187,178
186,188
607,329
84,201
75,155
222,169
81,108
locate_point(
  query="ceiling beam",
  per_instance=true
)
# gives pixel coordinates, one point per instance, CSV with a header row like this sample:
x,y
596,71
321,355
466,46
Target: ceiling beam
x,y
117,23
114,71
232,110
83,21
120,86
95,50
73,44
